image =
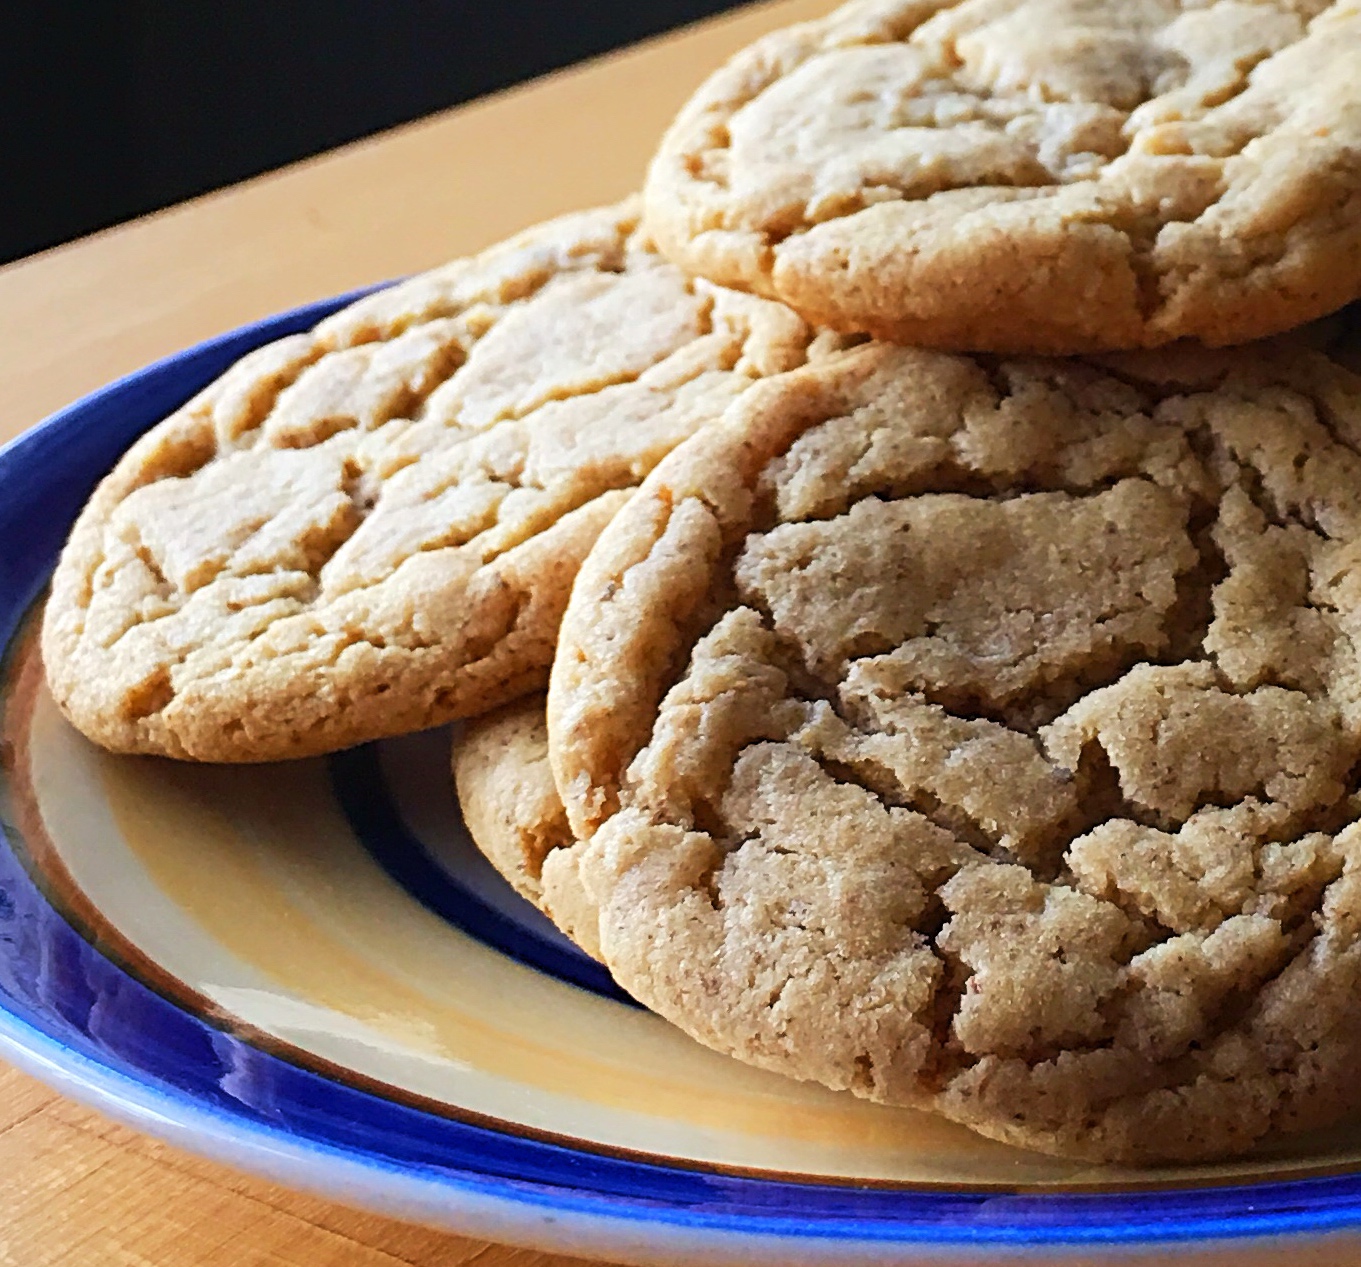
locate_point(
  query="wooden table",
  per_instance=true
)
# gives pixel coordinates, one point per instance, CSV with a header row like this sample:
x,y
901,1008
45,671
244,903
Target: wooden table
x,y
76,1189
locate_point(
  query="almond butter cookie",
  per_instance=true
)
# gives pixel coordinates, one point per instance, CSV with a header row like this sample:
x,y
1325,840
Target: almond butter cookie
x,y
982,735
1029,176
373,527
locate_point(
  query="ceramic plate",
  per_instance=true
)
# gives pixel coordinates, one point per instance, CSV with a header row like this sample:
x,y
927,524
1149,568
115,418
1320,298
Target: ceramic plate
x,y
306,970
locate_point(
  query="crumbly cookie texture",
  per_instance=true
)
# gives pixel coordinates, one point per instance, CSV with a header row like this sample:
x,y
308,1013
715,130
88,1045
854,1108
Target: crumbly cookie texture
x,y
373,527
982,735
1031,176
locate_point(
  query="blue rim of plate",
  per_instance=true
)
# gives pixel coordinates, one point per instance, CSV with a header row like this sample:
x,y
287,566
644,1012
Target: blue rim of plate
x,y
73,1016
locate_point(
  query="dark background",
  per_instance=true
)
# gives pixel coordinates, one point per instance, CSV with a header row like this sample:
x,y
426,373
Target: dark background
x,y
112,108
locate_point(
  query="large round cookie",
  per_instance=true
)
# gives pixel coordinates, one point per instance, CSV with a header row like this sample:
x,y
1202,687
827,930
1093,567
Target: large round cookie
x,y
1031,175
373,527
982,735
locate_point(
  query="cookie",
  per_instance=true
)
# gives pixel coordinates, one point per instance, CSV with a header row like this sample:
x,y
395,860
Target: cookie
x,y
512,810
373,527
1030,176
982,735
506,792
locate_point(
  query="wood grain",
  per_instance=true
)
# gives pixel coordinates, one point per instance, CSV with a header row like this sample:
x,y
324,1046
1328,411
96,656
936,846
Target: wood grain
x,y
76,1189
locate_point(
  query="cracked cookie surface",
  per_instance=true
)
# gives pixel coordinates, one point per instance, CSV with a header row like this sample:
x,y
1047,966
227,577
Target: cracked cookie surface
x,y
373,527
1029,176
983,735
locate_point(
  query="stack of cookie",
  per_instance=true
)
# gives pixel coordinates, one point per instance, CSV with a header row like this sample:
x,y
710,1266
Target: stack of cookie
x,y
955,642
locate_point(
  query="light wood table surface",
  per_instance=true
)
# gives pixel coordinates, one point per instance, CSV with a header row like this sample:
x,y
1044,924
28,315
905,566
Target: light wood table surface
x,y
75,1188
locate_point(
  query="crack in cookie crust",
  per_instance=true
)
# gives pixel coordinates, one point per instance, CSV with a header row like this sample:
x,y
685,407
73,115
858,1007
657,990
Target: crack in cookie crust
x,y
372,527
952,798
1049,176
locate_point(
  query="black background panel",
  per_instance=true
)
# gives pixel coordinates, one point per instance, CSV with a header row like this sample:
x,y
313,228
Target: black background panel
x,y
112,108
